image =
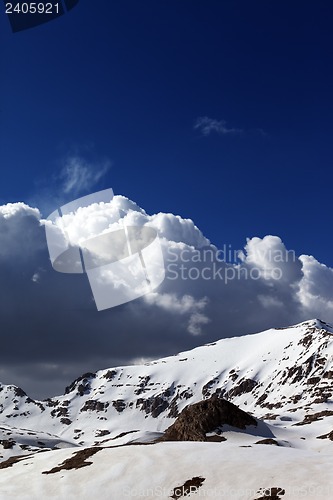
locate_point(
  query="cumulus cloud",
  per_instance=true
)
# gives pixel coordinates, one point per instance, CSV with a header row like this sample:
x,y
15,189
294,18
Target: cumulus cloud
x,y
51,331
315,289
182,305
208,125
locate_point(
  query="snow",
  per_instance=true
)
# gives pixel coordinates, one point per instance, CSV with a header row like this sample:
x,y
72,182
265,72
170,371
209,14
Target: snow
x,y
153,471
111,409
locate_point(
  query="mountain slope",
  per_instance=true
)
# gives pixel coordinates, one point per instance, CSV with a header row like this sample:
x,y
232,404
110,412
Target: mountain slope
x,y
283,376
276,445
162,471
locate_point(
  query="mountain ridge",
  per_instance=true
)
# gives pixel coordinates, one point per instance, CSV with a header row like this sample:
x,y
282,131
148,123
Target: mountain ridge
x,y
279,375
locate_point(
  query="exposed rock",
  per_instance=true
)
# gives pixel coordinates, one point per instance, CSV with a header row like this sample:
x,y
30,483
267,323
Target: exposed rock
x,y
18,391
110,374
173,406
196,420
94,405
142,385
7,443
267,441
315,416
82,387
243,387
154,405
60,412
102,432
66,421
326,436
313,380
77,461
262,398
190,486
12,460
206,390
119,405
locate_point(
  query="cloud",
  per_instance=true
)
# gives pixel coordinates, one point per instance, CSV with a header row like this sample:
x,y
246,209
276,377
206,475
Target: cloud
x,y
78,175
182,305
208,125
315,290
51,332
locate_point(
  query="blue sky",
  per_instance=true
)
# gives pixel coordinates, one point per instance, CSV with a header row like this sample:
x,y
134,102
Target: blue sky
x,y
125,81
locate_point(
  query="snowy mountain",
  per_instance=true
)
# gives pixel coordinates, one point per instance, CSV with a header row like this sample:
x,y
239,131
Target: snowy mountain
x,y
280,378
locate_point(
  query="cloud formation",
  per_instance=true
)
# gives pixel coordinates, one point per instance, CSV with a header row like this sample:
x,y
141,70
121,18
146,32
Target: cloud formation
x,y
51,331
209,125
79,176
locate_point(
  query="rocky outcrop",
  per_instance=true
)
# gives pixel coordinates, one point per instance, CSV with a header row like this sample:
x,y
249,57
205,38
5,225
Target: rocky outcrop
x,y
207,416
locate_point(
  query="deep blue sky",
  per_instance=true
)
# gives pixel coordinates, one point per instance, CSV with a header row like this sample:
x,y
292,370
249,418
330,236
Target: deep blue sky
x,y
125,80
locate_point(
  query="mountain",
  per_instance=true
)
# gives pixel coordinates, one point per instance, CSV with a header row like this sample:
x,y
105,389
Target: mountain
x,y
280,379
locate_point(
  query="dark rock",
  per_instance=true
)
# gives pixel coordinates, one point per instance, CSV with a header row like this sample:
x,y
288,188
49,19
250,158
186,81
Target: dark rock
x,y
51,402
142,385
83,378
267,441
207,388
196,420
102,432
313,380
119,405
315,416
326,436
154,405
83,389
77,461
190,486
110,374
94,405
60,412
65,421
19,392
7,444
243,387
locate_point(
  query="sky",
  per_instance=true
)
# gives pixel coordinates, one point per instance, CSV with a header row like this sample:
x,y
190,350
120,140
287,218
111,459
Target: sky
x,y
214,111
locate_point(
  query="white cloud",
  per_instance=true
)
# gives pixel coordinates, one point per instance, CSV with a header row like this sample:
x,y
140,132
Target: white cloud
x,y
78,175
18,209
208,125
56,322
315,289
270,256
182,305
36,277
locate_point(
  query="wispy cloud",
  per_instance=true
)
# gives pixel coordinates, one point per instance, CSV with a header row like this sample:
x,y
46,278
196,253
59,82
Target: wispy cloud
x,y
79,175
208,125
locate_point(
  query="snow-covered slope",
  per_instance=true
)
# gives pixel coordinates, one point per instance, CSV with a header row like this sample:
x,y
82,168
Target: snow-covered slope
x,y
283,376
166,470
